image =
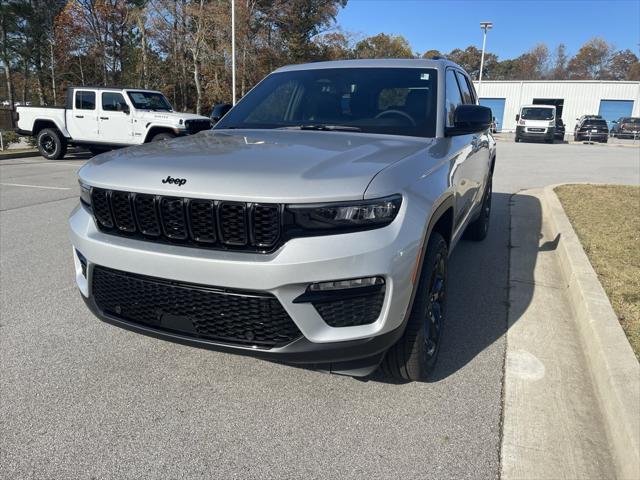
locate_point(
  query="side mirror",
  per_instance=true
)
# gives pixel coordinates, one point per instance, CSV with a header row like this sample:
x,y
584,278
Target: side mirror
x,y
219,111
517,117
126,109
469,119
614,121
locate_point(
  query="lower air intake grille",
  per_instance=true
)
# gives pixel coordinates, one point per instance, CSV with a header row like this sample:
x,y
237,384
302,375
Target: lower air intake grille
x,y
233,317
351,312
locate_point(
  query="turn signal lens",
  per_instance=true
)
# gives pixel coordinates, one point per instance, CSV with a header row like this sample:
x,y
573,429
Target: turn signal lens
x,y
344,284
85,194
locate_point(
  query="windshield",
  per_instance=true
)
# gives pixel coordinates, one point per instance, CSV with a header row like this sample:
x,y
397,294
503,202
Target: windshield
x,y
536,113
397,101
149,101
633,120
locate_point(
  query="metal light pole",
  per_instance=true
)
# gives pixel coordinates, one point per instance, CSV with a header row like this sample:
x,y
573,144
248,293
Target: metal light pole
x,y
484,26
233,51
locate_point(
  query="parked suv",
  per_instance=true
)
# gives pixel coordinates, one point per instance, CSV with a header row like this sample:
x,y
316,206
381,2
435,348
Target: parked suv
x,y
626,127
100,119
313,225
591,128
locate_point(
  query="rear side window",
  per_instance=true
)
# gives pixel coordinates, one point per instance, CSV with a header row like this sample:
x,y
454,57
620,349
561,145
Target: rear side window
x,y
453,98
467,97
85,100
113,102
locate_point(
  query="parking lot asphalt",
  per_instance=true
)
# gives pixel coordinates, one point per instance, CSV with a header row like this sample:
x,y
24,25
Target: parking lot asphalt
x,y
82,399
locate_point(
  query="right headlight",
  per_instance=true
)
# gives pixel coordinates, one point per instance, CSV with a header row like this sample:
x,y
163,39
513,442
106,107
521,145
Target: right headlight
x,y
357,215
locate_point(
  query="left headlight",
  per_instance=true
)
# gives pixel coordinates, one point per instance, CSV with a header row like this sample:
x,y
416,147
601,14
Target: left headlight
x,y
85,194
357,215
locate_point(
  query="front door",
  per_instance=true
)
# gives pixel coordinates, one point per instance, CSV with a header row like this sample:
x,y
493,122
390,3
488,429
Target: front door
x,y
115,122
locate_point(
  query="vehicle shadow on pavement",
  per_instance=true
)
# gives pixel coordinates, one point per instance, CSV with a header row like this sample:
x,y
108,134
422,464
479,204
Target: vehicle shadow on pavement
x,y
478,298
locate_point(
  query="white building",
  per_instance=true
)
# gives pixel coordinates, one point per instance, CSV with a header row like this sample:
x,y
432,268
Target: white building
x,y
573,98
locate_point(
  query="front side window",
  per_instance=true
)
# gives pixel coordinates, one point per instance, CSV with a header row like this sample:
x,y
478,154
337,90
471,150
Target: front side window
x,y
149,100
464,88
537,113
396,101
85,100
113,102
453,98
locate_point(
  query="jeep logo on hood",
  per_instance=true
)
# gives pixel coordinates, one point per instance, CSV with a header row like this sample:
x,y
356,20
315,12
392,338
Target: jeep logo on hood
x,y
175,181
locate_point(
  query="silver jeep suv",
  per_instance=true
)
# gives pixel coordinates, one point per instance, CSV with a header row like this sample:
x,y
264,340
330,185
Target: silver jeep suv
x,y
312,225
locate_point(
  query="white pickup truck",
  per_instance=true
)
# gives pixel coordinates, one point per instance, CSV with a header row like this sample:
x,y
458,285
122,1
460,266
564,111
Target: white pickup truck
x,y
101,118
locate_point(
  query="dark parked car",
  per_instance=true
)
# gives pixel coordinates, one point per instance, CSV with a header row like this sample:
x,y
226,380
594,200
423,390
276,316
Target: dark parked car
x,y
560,129
626,127
591,128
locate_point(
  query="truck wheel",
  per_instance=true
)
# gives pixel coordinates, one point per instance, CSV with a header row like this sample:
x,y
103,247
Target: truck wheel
x,y
162,136
517,139
51,144
415,354
478,229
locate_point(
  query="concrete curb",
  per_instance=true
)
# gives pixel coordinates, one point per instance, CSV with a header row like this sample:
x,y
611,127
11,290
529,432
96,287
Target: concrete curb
x,y
611,361
7,154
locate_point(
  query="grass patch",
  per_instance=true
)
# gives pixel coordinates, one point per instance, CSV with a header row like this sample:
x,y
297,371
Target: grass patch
x,y
606,218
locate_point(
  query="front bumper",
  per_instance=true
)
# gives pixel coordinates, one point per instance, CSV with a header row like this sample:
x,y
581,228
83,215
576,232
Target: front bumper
x,y
390,252
535,133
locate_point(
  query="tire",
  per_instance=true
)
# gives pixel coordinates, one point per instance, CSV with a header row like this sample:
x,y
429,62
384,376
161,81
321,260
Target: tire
x,y
415,354
479,228
162,136
604,141
549,140
517,139
51,144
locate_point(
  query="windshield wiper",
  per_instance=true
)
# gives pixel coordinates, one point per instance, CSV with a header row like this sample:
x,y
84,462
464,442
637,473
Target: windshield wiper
x,y
328,128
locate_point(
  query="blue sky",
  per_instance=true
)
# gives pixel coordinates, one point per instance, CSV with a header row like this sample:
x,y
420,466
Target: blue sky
x,y
518,24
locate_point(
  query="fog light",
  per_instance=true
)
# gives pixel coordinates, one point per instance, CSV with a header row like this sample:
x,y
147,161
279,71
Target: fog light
x,y
345,284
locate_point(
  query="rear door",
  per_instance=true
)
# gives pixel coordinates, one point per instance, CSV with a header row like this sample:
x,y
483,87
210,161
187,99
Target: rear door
x,y
115,123
82,120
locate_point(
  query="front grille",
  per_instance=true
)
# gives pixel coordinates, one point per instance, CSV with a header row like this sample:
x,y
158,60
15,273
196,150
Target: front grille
x,y
351,312
196,222
222,315
195,126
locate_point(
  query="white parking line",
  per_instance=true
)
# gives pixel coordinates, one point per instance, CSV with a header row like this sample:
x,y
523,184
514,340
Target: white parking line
x,y
34,186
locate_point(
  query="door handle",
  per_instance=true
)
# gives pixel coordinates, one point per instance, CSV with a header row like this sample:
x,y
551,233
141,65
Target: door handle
x,y
104,118
79,116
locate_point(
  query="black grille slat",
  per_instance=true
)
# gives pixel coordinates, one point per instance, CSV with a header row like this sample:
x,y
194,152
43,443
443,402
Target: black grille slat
x,y
243,318
100,206
188,221
173,218
203,220
233,223
266,225
147,214
122,211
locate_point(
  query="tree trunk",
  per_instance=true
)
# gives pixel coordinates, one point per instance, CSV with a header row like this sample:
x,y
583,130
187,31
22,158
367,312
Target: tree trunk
x,y
5,60
196,78
81,70
25,72
53,74
143,31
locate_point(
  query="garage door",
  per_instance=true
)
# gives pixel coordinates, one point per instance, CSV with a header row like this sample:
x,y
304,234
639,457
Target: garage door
x,y
612,110
497,108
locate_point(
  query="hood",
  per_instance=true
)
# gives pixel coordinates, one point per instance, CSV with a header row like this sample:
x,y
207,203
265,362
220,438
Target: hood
x,y
254,165
169,117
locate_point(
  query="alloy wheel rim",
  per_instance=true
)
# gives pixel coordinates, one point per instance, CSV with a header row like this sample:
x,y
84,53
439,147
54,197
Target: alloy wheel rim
x,y
47,143
435,309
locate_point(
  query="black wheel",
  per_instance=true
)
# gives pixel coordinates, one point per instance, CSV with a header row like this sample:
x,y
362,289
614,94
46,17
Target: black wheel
x,y
162,136
51,144
549,140
414,356
517,139
604,140
479,228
